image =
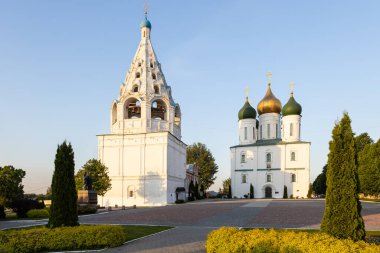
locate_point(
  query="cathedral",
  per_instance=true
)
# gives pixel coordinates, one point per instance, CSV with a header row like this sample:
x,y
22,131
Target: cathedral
x,y
271,155
144,151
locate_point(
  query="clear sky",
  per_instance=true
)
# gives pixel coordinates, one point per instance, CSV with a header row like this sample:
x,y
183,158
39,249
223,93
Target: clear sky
x,y
62,62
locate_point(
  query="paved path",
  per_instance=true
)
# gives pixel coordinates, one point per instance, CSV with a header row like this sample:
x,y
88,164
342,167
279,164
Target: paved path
x,y
193,221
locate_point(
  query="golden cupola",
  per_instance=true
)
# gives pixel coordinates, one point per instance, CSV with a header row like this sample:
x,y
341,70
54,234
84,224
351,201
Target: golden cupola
x,y
269,104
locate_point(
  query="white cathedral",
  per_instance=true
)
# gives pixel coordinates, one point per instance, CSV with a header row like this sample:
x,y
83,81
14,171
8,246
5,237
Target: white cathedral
x,y
144,152
270,154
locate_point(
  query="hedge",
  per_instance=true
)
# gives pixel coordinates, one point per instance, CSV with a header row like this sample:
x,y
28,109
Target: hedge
x,y
274,241
37,213
63,238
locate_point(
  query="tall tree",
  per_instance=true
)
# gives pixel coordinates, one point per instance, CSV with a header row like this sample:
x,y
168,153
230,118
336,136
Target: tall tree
x,y
285,196
196,188
63,210
226,186
342,217
199,154
369,169
361,141
11,188
251,192
319,184
101,183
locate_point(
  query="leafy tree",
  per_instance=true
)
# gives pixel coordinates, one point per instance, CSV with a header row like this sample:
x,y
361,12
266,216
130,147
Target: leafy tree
x,y
48,193
101,183
199,154
226,186
342,217
361,141
285,196
319,184
369,169
310,191
191,190
63,210
196,188
251,192
11,188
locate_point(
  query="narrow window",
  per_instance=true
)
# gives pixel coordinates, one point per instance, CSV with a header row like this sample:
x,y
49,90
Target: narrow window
x,y
276,130
138,75
291,129
154,76
245,133
269,178
135,88
244,179
269,157
156,90
253,133
293,156
261,131
294,178
299,130
242,157
139,64
268,131
144,34
151,64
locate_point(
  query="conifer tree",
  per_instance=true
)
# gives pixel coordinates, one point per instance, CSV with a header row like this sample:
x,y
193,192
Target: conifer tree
x,y
251,192
63,210
342,217
285,196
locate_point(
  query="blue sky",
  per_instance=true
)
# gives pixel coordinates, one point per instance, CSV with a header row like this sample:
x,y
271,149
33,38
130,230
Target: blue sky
x,y
61,64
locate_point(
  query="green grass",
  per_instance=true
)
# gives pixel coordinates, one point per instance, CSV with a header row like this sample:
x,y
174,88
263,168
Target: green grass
x,y
134,232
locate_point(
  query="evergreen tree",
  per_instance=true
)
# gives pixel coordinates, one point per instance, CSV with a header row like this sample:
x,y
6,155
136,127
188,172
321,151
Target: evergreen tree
x,y
319,184
251,192
369,169
191,191
285,196
229,192
342,217
63,210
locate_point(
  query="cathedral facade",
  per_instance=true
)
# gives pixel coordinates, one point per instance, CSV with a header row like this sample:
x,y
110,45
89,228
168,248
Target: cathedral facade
x,y
270,155
144,151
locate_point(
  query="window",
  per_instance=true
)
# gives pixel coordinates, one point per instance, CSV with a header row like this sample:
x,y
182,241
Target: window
x,y
151,64
245,133
291,129
156,90
276,130
139,64
244,179
243,157
261,131
292,156
269,178
135,88
130,194
294,178
137,74
154,76
268,131
269,157
253,133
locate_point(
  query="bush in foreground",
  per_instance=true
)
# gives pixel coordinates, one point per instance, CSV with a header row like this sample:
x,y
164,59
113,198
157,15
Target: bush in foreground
x,y
86,209
37,213
64,238
272,241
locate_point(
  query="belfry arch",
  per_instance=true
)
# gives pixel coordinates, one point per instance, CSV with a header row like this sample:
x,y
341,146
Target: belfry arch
x,y
132,108
159,110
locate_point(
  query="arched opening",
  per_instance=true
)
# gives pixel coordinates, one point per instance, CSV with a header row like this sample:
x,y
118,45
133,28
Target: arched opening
x,y
156,90
243,157
137,74
133,109
135,88
291,129
268,192
269,160
151,64
139,64
177,115
131,191
294,178
114,113
293,156
154,76
158,110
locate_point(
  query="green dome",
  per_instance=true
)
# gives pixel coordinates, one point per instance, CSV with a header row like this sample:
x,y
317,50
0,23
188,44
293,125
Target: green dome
x,y
247,111
291,107
146,23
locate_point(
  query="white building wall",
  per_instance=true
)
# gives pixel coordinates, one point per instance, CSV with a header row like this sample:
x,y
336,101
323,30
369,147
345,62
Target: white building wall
x,y
273,120
247,131
294,122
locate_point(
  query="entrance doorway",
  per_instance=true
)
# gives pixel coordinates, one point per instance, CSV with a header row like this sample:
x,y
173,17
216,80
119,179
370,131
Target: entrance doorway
x,y
268,192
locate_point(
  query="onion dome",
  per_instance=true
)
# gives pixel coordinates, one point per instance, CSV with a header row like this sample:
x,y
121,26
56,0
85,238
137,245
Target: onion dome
x,y
269,104
291,107
146,23
247,111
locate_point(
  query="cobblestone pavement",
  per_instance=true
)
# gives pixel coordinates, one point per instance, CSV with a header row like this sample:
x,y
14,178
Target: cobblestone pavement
x,y
193,221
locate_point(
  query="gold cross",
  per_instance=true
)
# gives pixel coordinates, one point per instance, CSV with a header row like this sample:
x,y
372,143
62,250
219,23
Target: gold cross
x,y
146,8
269,77
291,87
246,91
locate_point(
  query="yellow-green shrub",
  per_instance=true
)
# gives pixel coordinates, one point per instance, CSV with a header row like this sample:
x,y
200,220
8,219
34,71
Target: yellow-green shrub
x,y
259,240
64,238
37,213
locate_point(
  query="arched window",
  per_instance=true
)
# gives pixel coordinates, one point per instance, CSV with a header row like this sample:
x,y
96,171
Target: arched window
x,y
137,74
276,130
291,129
154,76
253,133
268,131
243,157
269,157
244,178
294,178
245,133
114,113
156,90
292,156
269,178
177,115
158,110
261,131
139,64
151,64
131,191
135,88
132,109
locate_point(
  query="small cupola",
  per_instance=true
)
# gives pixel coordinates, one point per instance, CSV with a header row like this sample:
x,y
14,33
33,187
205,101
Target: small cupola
x,y
247,111
291,107
146,23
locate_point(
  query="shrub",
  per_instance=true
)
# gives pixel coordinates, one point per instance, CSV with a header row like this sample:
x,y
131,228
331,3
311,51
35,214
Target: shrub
x,y
87,209
22,206
37,213
259,240
179,201
62,238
